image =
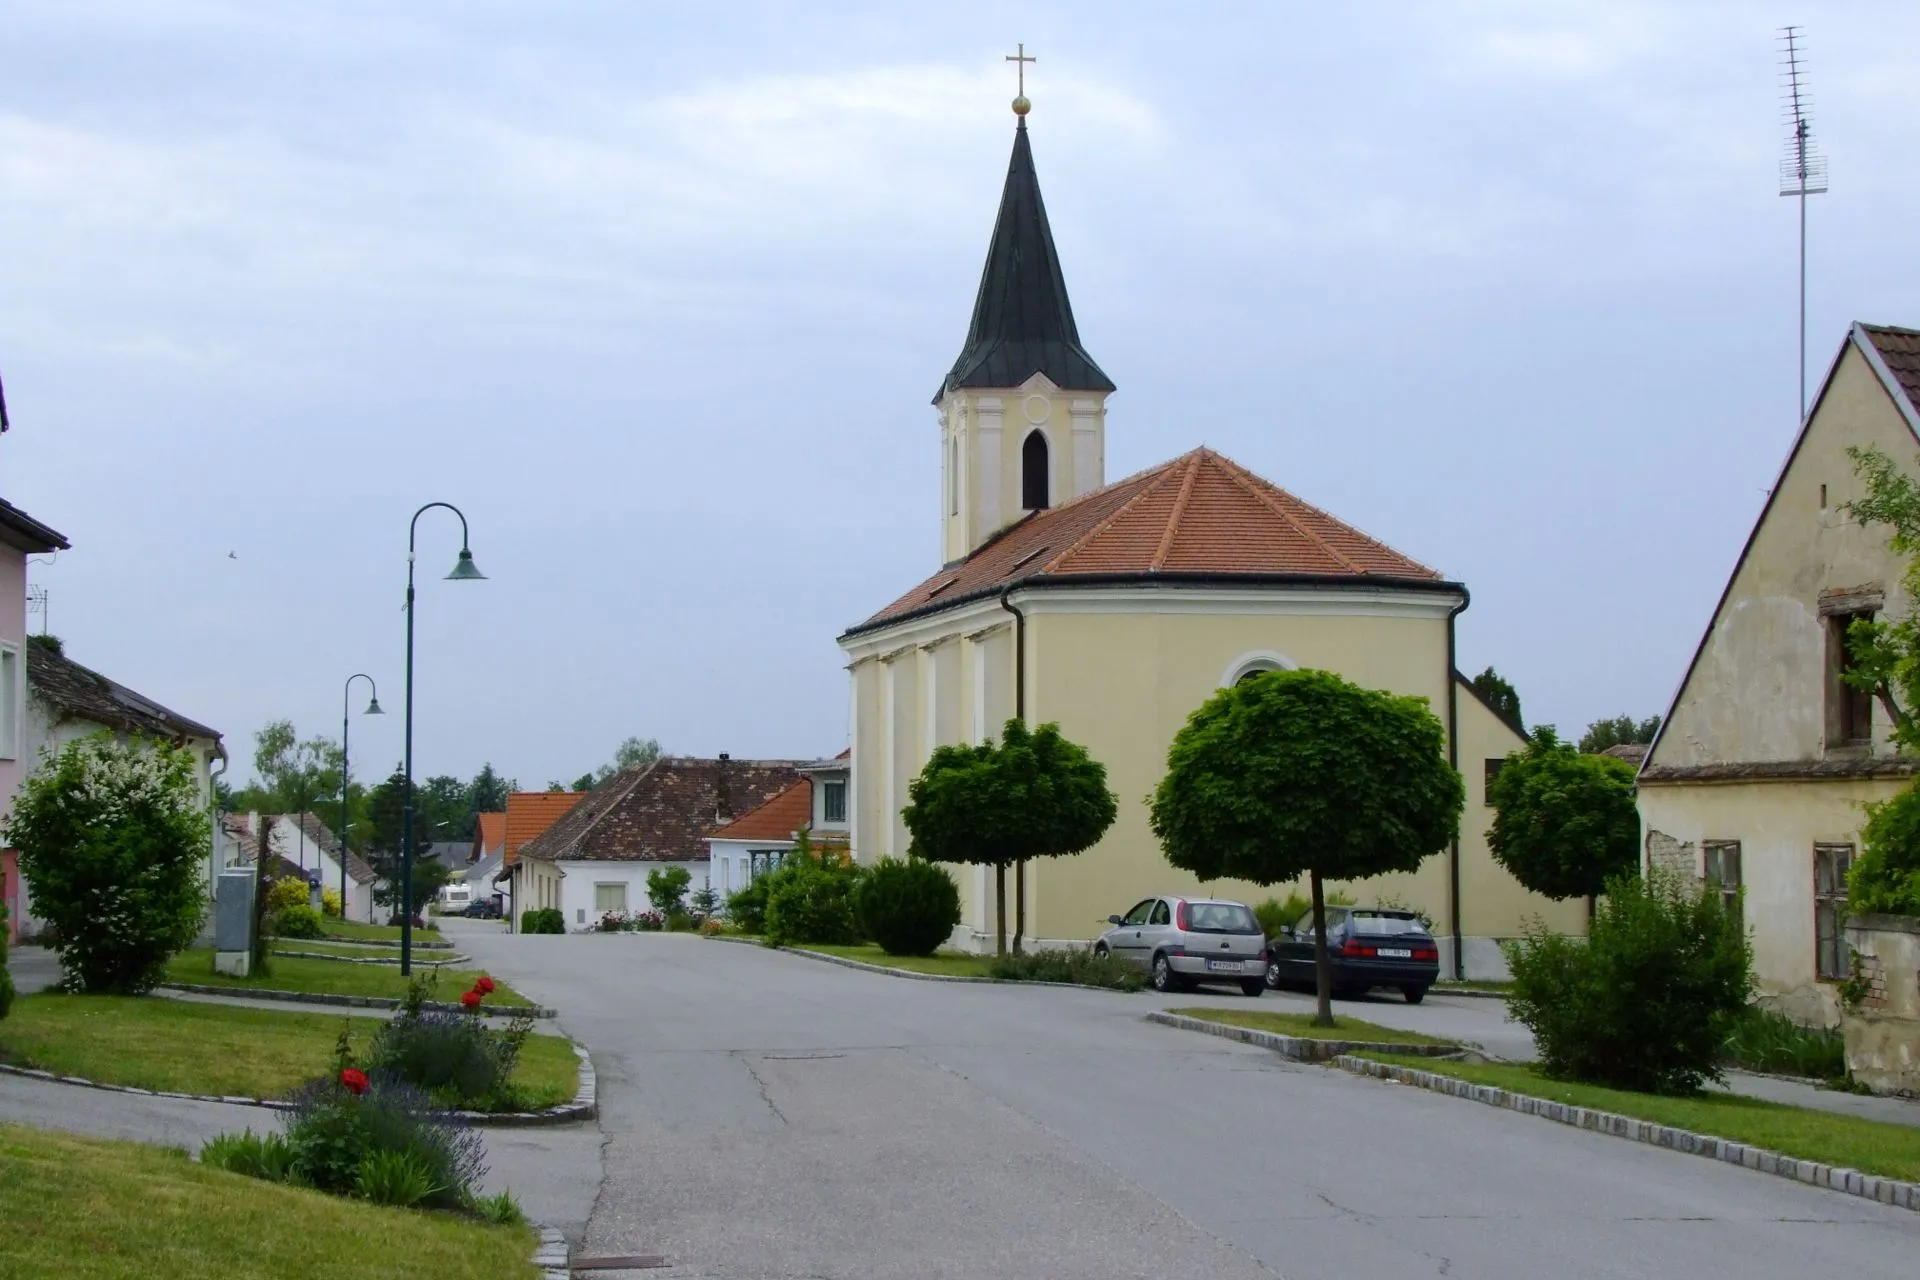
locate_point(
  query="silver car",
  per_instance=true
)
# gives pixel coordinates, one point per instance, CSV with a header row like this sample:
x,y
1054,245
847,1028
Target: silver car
x,y
1182,941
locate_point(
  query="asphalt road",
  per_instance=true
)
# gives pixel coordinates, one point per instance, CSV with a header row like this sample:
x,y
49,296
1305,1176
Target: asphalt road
x,y
769,1116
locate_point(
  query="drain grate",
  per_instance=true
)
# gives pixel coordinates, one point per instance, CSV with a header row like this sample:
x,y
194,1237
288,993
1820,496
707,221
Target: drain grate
x,y
642,1262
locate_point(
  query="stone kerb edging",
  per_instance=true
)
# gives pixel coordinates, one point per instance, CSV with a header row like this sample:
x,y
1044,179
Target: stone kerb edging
x,y
584,1106
1295,1048
355,1002
434,963
1867,1186
551,1255
439,945
847,963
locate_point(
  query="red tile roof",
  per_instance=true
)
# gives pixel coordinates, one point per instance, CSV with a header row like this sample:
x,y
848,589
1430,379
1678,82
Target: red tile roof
x,y
1900,349
531,812
661,812
777,819
1200,515
489,832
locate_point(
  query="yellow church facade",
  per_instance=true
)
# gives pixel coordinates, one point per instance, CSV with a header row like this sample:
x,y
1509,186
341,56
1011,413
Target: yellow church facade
x,y
1117,609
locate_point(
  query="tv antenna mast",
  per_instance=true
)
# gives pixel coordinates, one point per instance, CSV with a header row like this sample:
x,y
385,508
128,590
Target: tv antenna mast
x,y
1803,170
37,603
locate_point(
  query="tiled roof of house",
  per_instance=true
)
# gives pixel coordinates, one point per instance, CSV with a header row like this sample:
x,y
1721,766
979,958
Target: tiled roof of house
x,y
531,812
1632,752
785,813
23,533
490,832
322,836
1900,349
1200,516
661,812
80,693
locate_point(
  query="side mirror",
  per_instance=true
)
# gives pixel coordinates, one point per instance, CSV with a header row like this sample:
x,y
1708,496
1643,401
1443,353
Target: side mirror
x,y
1286,930
1115,920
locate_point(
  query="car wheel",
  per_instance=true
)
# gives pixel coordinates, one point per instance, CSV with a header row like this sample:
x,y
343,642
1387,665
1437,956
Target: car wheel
x,y
1164,978
1101,951
1273,974
1414,995
1253,987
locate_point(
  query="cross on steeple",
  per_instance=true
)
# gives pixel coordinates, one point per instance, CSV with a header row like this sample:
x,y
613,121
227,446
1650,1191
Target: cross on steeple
x,y
1020,60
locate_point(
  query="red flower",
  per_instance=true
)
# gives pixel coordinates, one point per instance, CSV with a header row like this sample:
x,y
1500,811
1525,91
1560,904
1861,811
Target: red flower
x,y
471,999
484,986
354,1080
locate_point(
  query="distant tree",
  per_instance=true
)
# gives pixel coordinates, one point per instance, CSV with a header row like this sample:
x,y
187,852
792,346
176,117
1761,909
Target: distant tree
x,y
442,809
291,774
1034,795
635,751
1564,821
1619,731
555,787
488,791
1296,772
1501,696
585,782
667,887
385,804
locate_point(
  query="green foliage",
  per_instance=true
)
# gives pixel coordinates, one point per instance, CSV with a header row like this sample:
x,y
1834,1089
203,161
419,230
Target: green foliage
x,y
455,1057
1497,693
543,920
1034,795
296,922
398,1178
288,891
331,1133
747,906
264,1156
909,908
1618,731
1757,1039
1076,965
1275,914
501,1210
1886,876
1641,1004
6,979
330,903
1565,821
705,900
810,898
677,921
667,887
1886,651
112,836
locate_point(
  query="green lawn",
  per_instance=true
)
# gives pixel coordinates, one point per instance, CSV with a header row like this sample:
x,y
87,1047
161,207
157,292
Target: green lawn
x,y
951,963
89,1209
324,976
181,1046
1301,1024
1842,1141
354,932
345,950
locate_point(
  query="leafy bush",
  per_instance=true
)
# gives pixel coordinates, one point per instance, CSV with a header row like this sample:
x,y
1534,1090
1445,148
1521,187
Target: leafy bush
x,y
6,979
501,1210
544,920
112,836
909,908
1076,965
705,900
265,1156
711,926
288,891
677,921
296,922
1275,915
1760,1040
330,903
810,898
666,886
747,906
1886,876
399,1178
1641,1003
455,1057
338,1122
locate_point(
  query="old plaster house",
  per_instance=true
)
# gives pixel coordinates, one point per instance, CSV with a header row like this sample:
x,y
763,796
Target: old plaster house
x,y
1117,609
1759,773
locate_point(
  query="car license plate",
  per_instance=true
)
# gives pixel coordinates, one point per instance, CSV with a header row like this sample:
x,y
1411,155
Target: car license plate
x,y
1224,966
1395,953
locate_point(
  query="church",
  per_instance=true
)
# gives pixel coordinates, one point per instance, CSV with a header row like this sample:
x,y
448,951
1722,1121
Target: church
x,y
1116,609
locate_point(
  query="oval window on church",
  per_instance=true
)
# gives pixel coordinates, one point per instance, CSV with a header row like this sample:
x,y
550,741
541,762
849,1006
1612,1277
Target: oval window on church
x,y
1033,472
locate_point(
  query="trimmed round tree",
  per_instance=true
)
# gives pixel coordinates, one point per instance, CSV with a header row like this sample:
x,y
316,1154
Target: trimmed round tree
x,y
1564,821
113,838
1033,795
1295,773
909,907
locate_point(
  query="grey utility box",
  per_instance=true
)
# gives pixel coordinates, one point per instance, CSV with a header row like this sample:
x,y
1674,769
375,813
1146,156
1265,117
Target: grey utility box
x,y
233,922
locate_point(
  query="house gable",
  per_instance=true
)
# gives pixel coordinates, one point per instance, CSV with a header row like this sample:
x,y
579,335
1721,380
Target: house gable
x,y
1756,691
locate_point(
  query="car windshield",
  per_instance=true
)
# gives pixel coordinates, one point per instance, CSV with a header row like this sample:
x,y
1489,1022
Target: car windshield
x,y
1220,917
1385,925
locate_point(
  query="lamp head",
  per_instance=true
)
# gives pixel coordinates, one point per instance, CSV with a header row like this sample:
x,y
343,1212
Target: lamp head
x,y
464,570
373,707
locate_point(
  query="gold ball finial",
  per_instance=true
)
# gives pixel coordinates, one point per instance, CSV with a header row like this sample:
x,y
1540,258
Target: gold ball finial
x,y
1021,106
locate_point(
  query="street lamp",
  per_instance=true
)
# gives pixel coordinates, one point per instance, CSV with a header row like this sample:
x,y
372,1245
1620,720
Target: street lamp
x,y
373,709
464,570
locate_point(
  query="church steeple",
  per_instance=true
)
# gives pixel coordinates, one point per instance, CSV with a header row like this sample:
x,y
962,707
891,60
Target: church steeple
x,y
1022,375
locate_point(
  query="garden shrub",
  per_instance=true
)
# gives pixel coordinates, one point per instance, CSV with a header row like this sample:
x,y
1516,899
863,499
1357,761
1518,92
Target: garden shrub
x,y
1077,965
1275,915
1642,1003
810,899
677,921
502,1210
112,836
544,920
1757,1039
296,922
6,979
287,891
399,1178
909,908
747,906
264,1156
338,1122
1886,876
330,903
455,1057
666,887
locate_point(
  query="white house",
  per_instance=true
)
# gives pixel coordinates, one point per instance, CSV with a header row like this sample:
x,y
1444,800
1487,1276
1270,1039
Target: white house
x,y
304,845
645,817
755,842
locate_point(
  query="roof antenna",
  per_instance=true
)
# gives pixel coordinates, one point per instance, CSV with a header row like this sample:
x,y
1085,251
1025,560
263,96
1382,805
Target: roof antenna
x,y
1803,170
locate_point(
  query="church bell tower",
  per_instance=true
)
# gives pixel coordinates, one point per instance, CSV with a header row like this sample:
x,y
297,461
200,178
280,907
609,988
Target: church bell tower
x,y
1023,412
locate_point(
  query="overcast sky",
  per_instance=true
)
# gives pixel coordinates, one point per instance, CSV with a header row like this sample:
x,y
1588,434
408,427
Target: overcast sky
x,y
658,295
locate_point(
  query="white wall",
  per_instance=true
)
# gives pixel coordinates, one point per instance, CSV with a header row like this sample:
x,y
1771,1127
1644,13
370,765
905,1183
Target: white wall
x,y
730,861
578,880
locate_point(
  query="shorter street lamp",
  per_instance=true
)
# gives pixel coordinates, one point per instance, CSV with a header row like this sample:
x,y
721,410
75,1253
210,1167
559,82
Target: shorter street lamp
x,y
373,709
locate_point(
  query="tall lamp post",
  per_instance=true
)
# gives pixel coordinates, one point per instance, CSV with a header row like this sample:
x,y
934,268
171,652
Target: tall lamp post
x,y
464,570
373,709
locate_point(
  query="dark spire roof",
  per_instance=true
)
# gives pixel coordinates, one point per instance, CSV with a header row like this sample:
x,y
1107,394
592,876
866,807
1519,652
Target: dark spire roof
x,y
1022,321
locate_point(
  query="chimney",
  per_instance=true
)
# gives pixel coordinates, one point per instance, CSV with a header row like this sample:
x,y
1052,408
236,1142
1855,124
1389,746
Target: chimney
x,y
722,793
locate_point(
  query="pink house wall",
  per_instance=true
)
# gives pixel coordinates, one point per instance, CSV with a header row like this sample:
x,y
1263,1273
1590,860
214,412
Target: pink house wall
x,y
13,630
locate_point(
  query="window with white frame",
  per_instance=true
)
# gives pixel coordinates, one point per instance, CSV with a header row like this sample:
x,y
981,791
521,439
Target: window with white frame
x,y
610,897
833,802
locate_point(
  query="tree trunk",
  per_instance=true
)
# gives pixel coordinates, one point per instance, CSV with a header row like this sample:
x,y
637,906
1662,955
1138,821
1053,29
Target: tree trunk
x,y
1322,963
999,908
1593,905
1019,903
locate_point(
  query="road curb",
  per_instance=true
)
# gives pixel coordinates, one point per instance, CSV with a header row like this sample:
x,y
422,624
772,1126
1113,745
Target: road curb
x,y
1865,1186
1294,1048
434,963
846,963
1472,993
441,945
551,1255
584,1106
354,1002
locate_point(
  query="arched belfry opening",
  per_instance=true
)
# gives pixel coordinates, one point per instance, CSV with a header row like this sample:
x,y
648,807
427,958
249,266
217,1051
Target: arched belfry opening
x,y
1033,472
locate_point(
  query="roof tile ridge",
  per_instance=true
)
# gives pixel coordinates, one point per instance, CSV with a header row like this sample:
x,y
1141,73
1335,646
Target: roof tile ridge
x,y
1152,485
1165,548
1247,480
